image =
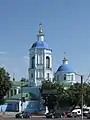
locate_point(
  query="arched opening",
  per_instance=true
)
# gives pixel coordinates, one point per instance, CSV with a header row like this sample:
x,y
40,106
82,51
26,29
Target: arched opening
x,y
33,62
7,94
64,76
72,77
11,92
19,91
15,91
31,75
47,62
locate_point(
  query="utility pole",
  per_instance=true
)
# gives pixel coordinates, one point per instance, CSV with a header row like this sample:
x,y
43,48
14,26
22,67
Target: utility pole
x,y
82,96
21,98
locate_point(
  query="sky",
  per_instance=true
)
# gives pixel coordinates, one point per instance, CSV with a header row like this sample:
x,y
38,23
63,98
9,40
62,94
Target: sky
x,y
66,26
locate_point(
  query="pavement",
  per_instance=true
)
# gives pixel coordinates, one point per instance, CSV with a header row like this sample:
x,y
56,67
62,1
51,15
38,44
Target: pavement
x,y
11,116
41,119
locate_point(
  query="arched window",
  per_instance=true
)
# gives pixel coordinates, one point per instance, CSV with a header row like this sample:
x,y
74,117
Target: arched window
x,y
19,91
7,94
64,76
72,77
33,62
11,92
15,91
31,75
47,62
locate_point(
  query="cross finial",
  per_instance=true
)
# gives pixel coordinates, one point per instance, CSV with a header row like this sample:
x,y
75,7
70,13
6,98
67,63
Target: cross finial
x,y
64,53
65,58
40,29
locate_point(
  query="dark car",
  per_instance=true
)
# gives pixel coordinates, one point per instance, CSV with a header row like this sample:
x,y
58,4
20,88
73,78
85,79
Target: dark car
x,y
49,115
19,115
88,115
71,115
23,115
54,114
27,115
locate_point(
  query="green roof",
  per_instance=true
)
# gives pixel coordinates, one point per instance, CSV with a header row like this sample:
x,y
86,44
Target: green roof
x,y
18,96
18,83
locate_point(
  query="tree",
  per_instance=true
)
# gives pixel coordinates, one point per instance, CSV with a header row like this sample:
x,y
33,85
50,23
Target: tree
x,y
5,84
75,92
51,93
55,95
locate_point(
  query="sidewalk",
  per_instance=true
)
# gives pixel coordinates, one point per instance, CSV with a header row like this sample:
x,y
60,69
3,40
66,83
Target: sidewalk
x,y
12,114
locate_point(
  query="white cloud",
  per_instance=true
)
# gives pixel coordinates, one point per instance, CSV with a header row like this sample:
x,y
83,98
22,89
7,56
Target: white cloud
x,y
3,52
26,57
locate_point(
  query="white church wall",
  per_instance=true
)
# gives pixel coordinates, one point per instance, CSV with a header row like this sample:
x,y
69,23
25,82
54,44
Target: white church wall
x,y
59,76
40,51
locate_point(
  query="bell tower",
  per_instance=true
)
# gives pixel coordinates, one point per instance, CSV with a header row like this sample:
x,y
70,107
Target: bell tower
x,y
40,61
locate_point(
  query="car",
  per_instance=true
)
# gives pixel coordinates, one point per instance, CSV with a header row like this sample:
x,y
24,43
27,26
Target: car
x,y
19,115
54,114
27,115
49,115
88,115
23,115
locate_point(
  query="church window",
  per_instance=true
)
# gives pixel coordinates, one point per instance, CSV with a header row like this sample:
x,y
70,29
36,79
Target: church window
x,y
7,94
14,91
31,75
39,59
11,92
64,76
40,74
48,76
47,62
19,91
33,62
72,77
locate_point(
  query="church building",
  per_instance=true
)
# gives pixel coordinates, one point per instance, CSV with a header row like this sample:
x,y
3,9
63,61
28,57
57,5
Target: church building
x,y
65,74
40,69
40,61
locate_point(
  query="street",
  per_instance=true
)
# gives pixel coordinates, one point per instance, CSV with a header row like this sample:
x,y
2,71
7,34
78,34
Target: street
x,y
39,118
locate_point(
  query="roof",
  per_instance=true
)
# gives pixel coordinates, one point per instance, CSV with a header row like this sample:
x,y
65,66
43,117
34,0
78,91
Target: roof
x,y
18,83
40,44
65,68
26,95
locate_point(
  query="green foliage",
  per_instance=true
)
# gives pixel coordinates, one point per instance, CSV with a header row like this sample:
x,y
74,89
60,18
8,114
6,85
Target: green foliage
x,y
54,94
5,84
2,101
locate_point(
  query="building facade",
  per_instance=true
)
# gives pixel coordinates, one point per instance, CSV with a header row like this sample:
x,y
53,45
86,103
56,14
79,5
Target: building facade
x,y
40,61
65,74
40,69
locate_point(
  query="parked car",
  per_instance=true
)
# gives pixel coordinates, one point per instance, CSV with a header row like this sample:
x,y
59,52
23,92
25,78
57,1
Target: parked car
x,y
23,115
88,115
19,115
54,114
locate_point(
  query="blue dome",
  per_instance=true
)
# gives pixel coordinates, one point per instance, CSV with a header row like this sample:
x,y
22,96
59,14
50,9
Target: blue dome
x,y
65,68
40,44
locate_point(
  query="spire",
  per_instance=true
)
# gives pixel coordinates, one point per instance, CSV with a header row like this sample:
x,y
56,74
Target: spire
x,y
13,76
65,60
40,35
40,29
